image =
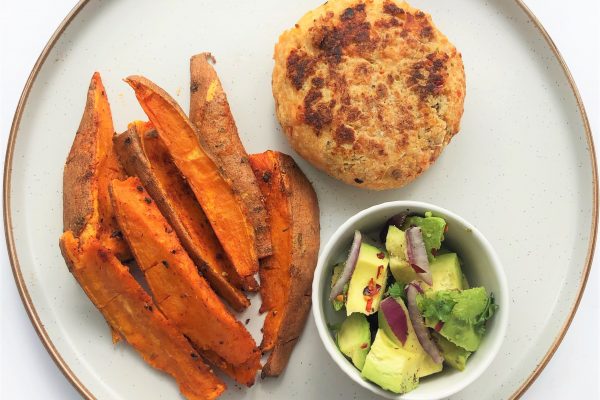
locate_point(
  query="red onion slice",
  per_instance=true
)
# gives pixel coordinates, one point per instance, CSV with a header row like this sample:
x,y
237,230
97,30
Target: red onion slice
x,y
417,254
416,285
396,220
419,326
338,288
396,318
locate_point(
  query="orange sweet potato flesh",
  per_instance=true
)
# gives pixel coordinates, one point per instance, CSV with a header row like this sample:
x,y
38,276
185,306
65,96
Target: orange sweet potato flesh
x,y
144,155
180,292
90,166
128,308
286,276
210,112
214,193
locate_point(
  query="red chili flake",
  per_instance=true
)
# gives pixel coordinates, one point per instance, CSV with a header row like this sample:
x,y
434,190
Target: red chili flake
x,y
371,283
372,288
379,269
439,326
434,252
446,228
381,255
369,306
364,345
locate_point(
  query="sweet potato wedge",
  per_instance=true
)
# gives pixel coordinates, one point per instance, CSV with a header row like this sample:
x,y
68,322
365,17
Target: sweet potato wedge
x,y
286,276
90,166
214,193
210,112
274,271
180,292
144,155
128,308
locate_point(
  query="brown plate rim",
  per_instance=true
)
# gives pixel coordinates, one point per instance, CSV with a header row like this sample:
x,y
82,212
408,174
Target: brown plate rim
x,y
37,323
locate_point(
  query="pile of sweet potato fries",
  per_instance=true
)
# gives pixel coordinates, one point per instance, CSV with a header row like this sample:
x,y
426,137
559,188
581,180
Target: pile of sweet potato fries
x,y
200,217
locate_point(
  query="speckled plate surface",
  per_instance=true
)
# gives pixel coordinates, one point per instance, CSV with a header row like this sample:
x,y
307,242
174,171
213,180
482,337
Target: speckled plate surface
x,y
522,170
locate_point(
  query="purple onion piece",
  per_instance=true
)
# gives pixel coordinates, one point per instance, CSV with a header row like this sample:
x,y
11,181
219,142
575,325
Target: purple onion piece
x,y
396,220
416,285
396,318
419,326
417,254
338,288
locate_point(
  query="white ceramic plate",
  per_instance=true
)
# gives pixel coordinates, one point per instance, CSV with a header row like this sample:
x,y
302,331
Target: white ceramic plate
x,y
522,170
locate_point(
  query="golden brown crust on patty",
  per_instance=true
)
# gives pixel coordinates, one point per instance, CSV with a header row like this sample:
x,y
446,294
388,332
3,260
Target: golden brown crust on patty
x,y
368,91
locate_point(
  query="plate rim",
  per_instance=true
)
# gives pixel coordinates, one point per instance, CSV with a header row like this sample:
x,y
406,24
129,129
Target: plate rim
x,y
30,307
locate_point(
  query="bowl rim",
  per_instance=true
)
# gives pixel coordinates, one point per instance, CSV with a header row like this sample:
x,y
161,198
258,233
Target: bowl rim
x,y
501,318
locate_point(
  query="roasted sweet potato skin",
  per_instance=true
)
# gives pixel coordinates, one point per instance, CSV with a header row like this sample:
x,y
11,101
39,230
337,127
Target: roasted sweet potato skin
x,y
180,292
210,112
213,192
129,309
144,155
294,218
90,165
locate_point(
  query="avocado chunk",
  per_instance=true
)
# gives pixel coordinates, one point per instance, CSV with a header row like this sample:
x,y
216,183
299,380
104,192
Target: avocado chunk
x,y
368,281
395,243
446,273
454,356
390,366
354,339
427,366
433,231
462,314
461,334
339,301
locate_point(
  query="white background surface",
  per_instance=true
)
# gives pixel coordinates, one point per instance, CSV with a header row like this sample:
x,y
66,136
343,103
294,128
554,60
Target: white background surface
x,y
27,371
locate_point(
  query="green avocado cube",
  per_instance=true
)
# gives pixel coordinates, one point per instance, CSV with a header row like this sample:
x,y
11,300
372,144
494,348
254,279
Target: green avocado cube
x,y
446,273
454,356
354,339
390,366
432,229
426,366
395,244
368,281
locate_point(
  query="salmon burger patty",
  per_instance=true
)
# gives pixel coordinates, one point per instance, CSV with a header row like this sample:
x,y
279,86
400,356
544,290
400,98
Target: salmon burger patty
x,y
368,91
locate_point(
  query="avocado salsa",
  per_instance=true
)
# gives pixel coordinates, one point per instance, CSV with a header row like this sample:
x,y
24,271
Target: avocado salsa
x,y
409,308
